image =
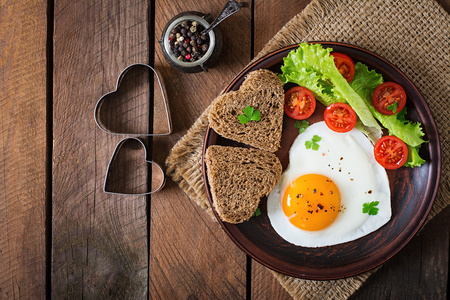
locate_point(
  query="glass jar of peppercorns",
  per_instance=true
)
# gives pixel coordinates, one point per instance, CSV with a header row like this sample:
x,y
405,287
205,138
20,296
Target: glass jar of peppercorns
x,y
184,45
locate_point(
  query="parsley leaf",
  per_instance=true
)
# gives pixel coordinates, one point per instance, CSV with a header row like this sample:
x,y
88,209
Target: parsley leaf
x,y
257,212
393,107
301,125
313,144
250,114
369,208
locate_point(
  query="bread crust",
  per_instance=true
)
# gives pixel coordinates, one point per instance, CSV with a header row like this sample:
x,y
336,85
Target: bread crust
x,y
262,90
238,178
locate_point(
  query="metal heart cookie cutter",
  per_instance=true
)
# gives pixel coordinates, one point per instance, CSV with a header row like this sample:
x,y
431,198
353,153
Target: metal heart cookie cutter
x,y
140,80
114,176
157,173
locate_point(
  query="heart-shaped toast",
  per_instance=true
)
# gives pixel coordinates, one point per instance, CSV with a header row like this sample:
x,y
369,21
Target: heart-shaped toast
x,y
132,109
128,170
238,178
262,90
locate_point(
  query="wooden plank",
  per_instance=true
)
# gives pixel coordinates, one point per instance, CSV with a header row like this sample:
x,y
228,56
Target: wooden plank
x,y
418,271
99,246
265,285
268,23
190,255
23,80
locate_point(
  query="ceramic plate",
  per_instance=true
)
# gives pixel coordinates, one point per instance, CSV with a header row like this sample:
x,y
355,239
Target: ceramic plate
x,y
412,190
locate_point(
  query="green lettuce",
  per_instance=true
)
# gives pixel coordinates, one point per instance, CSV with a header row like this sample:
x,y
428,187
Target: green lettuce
x,y
365,83
311,66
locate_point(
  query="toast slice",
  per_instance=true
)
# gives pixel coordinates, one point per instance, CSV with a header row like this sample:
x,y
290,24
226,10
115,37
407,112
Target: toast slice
x,y
238,178
262,90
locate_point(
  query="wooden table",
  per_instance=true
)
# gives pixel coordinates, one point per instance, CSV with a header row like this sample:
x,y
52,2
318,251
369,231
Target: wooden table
x,y
61,235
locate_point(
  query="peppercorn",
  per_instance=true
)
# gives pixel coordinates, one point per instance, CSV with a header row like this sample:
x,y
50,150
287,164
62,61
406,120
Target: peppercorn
x,y
186,42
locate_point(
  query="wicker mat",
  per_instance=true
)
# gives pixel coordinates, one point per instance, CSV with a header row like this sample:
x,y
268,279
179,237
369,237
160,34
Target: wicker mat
x,y
413,35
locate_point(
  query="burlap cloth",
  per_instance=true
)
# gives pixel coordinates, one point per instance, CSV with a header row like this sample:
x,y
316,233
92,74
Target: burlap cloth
x,y
413,35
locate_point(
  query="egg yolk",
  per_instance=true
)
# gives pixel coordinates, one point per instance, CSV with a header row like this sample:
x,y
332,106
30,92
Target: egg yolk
x,y
311,202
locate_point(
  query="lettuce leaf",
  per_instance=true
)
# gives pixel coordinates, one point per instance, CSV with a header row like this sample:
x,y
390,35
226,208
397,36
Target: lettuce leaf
x,y
414,159
312,66
364,83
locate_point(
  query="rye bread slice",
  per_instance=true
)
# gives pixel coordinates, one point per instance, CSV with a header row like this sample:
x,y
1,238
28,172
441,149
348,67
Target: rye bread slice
x,y
238,178
263,90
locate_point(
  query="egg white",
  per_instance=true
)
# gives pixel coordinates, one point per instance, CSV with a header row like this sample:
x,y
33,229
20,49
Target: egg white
x,y
348,160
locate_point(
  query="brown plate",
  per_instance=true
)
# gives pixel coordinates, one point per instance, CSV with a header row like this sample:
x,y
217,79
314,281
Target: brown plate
x,y
412,190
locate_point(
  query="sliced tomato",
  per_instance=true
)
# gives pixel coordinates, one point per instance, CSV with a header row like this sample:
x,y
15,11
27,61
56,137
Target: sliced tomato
x,y
391,152
299,103
345,65
340,117
386,95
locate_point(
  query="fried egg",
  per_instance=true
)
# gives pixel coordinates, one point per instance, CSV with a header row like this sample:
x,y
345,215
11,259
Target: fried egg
x,y
319,199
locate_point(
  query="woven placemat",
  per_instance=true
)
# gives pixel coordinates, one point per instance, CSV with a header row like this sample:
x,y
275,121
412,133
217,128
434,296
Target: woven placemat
x,y
413,35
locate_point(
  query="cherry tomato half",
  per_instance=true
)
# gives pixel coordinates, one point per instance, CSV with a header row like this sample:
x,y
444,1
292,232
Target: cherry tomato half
x,y
345,65
390,152
340,117
385,95
299,103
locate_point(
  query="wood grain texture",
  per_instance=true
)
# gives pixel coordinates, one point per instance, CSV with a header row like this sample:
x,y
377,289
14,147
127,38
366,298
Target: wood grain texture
x,y
419,271
264,285
190,256
99,246
267,23
23,82
100,242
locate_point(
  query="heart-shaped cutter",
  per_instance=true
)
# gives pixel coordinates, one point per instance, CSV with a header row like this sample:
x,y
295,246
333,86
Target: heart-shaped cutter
x,y
119,80
116,151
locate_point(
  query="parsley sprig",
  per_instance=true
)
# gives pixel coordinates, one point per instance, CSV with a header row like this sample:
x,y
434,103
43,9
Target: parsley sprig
x,y
393,107
313,144
250,114
369,208
301,126
257,212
